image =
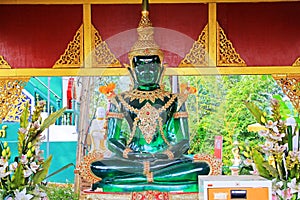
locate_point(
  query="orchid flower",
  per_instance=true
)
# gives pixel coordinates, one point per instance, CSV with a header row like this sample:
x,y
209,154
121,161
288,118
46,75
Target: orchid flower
x,y
295,188
22,195
34,167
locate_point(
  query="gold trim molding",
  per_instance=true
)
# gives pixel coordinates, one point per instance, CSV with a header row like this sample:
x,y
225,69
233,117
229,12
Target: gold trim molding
x,y
83,169
131,1
226,53
102,56
73,55
11,95
290,85
4,64
198,54
297,62
138,195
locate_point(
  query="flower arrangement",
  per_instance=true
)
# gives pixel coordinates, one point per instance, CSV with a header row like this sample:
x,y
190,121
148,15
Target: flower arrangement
x,y
108,90
278,159
186,89
22,178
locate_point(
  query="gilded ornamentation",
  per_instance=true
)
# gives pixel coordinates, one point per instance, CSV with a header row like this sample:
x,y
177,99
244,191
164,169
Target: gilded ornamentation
x,y
15,112
297,62
145,45
169,154
3,63
125,152
102,56
226,54
146,95
140,195
115,115
198,55
147,118
83,169
150,195
215,164
10,92
73,55
291,87
180,115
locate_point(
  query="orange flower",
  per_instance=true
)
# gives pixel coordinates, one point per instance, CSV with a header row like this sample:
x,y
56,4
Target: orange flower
x,y
108,90
111,87
185,88
192,90
103,89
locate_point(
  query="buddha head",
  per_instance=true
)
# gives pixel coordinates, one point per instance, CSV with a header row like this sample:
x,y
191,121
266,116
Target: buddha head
x,y
145,57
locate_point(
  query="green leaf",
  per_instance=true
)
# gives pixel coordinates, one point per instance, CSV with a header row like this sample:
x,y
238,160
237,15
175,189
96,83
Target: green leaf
x,y
272,171
41,175
51,119
256,112
19,180
24,116
61,169
260,164
285,111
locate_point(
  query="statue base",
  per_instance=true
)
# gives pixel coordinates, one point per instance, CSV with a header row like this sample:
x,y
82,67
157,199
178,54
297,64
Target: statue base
x,y
155,195
172,187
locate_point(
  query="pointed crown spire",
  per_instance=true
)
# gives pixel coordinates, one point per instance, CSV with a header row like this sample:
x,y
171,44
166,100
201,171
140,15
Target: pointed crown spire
x,y
145,45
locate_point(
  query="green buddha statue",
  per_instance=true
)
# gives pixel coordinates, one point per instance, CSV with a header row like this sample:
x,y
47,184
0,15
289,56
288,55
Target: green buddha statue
x,y
152,156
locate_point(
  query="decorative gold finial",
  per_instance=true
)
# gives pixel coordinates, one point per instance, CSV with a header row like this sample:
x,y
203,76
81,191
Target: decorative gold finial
x,y
145,45
145,6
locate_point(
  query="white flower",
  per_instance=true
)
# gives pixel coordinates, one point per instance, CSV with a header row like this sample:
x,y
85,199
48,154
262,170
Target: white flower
x,y
2,161
3,172
27,173
34,167
279,148
36,125
295,188
248,162
22,130
276,136
24,159
22,195
273,126
268,146
38,192
276,186
13,166
263,133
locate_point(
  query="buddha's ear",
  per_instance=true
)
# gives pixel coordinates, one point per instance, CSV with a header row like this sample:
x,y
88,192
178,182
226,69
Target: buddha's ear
x,y
132,75
162,70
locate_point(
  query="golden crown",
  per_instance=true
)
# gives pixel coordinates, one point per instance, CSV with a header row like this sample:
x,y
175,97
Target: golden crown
x,y
145,45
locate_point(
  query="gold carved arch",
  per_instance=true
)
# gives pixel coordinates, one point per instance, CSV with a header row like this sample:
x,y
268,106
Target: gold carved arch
x,y
12,100
290,85
73,55
226,53
4,64
102,56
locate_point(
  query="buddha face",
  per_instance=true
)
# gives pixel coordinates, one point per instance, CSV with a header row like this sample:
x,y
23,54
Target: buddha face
x,y
147,70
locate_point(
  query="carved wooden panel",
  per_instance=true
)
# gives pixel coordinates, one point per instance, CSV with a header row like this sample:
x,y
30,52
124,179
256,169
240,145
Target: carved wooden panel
x,y
291,87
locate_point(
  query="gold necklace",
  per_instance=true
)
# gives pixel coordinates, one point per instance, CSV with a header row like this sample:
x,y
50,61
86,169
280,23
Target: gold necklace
x,y
146,95
147,119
